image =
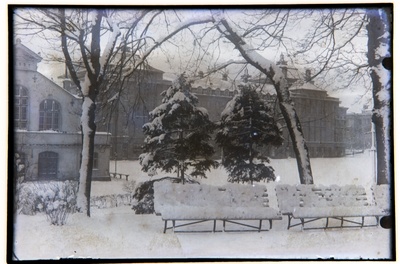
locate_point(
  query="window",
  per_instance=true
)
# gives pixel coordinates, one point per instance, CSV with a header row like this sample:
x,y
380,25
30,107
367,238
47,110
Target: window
x,y
49,115
21,107
48,165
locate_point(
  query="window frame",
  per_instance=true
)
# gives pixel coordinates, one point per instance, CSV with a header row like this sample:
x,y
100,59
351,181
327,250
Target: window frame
x,y
49,117
21,107
48,165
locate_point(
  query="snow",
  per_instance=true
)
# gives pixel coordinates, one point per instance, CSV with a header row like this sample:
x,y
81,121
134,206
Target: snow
x,y
110,45
202,110
119,233
299,139
86,131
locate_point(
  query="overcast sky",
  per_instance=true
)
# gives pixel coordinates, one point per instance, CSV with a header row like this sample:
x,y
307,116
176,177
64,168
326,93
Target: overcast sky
x,y
177,58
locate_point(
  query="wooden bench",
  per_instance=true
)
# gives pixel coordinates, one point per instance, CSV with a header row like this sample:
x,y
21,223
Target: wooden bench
x,y
309,203
235,204
115,174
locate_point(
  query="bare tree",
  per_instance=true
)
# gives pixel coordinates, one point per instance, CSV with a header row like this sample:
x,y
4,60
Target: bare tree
x,y
278,80
82,33
349,47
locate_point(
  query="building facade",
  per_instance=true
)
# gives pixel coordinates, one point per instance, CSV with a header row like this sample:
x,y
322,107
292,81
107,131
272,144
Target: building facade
x,y
322,119
359,131
47,125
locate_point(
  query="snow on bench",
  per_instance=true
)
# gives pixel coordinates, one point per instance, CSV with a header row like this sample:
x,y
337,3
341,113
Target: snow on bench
x,y
309,203
115,174
199,203
382,197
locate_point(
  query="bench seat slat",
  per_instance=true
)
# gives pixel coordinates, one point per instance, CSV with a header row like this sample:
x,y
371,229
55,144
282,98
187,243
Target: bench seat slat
x,y
338,211
221,213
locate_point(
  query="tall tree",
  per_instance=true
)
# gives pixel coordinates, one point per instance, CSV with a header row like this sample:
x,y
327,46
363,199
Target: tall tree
x,y
90,40
178,135
96,63
379,56
278,80
246,126
356,47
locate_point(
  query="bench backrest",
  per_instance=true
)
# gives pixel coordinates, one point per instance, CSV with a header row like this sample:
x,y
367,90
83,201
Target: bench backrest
x,y
292,196
229,195
382,197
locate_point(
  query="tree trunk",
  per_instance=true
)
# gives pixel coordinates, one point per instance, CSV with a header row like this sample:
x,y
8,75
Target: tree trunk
x,y
296,135
378,49
88,130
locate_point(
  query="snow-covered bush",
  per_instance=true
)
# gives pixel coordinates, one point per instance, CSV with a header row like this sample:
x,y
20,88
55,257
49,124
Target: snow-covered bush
x,y
111,200
18,179
56,199
129,187
28,200
144,195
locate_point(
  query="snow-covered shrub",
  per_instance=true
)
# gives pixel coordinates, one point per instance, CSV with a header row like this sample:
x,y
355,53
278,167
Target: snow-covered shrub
x,y
28,200
56,199
129,187
110,201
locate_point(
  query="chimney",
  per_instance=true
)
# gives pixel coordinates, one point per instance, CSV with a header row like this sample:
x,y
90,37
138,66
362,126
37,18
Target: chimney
x,y
283,65
308,76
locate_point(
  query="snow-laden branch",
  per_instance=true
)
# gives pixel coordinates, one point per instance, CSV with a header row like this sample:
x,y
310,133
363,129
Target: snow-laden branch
x,y
217,68
249,53
105,57
165,38
275,74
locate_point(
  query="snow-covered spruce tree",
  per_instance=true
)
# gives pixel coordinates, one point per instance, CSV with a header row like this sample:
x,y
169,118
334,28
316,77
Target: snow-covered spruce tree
x,y
246,126
178,135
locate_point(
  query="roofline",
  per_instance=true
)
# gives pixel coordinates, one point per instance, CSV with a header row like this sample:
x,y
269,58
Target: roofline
x,y
28,50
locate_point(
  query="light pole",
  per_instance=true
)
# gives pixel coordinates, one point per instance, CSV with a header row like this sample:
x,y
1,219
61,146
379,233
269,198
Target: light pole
x,y
373,149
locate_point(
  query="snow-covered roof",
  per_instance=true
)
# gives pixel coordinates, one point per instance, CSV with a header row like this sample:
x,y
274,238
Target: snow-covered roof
x,y
215,82
301,85
26,52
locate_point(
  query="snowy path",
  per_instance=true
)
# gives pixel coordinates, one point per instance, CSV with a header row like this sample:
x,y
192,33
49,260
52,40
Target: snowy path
x,y
119,233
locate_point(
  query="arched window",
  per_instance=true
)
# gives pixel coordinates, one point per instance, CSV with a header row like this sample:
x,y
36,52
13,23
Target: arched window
x,y
48,165
49,115
21,107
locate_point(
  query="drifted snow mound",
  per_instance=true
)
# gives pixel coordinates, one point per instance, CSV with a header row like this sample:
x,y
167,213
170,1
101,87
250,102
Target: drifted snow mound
x,y
230,201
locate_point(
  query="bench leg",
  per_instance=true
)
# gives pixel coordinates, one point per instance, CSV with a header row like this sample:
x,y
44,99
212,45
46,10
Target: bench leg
x,y
215,223
289,219
377,220
327,222
165,226
341,222
362,221
173,225
270,223
223,225
302,223
260,225
126,177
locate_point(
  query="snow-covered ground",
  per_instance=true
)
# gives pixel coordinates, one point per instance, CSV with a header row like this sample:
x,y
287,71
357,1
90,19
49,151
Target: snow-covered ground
x,y
119,233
